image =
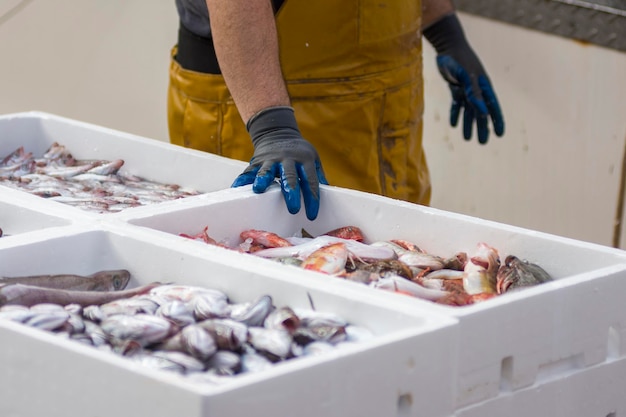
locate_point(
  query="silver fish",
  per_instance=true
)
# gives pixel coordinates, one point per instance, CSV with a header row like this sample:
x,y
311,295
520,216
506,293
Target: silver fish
x,y
254,313
208,306
193,340
228,334
93,313
16,313
95,332
399,284
130,306
320,333
274,343
224,362
48,320
184,293
176,311
142,328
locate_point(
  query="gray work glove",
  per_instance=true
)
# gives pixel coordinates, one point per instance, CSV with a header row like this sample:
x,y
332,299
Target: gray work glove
x,y
281,152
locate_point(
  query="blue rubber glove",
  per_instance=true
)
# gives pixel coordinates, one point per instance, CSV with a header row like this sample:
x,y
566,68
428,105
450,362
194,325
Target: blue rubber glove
x,y
468,80
281,152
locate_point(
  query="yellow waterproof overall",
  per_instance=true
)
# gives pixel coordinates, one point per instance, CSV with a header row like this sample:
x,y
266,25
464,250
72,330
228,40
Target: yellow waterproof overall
x,y
354,75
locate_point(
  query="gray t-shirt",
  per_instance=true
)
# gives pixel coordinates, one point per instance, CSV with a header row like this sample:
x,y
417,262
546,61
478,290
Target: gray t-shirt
x,y
194,15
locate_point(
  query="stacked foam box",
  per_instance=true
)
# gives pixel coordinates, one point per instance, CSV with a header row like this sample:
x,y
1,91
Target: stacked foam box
x,y
523,342
406,368
541,345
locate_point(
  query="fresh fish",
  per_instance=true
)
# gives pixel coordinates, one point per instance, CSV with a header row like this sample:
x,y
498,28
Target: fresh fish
x,y
330,259
444,274
404,286
113,280
82,338
208,306
16,157
198,342
406,244
385,267
49,320
29,295
130,306
177,312
193,340
265,238
309,317
224,362
95,332
185,293
421,260
93,313
456,262
74,324
142,328
74,309
228,334
283,318
480,271
517,273
320,333
304,247
16,313
254,313
94,185
273,343
106,168
347,232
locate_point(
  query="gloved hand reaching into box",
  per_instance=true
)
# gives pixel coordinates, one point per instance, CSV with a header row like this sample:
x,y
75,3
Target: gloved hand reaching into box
x,y
281,152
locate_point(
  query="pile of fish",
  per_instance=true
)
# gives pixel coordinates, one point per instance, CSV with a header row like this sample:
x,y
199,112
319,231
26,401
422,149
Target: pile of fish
x,y
394,265
194,331
93,185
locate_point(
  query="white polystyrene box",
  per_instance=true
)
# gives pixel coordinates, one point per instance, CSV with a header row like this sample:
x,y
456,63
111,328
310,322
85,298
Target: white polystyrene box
x,y
506,343
149,158
406,369
594,391
20,214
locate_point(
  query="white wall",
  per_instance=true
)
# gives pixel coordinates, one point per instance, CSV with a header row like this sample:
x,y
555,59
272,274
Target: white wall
x,y
99,61
556,170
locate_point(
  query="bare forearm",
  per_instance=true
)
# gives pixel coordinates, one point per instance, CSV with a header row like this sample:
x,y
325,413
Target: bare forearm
x,y
433,10
246,45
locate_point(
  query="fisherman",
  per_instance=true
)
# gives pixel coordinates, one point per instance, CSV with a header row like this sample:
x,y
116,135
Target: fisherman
x,y
324,80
